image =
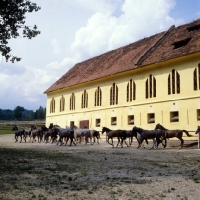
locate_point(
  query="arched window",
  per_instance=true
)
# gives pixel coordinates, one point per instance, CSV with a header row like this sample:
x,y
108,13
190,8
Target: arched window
x,y
150,87
196,78
98,97
173,82
72,102
114,94
84,102
62,104
52,105
130,91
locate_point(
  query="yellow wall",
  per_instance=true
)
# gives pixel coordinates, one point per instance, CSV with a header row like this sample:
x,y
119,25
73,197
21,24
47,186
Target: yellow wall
x,y
186,103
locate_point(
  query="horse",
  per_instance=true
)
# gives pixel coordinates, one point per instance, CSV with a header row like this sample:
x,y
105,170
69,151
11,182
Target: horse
x,y
155,135
197,130
67,133
173,133
19,133
120,134
95,135
130,135
36,133
46,133
27,132
82,132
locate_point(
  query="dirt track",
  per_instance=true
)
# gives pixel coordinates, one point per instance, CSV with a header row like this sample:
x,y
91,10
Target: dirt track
x,y
47,171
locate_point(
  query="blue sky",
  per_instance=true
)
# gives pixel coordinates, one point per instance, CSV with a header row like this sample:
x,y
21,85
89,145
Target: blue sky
x,y
73,31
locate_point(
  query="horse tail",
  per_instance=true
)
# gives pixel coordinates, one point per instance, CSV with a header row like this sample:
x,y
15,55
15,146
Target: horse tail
x,y
187,133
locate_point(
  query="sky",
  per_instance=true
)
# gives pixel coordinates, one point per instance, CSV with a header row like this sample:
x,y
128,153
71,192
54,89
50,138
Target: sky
x,y
75,30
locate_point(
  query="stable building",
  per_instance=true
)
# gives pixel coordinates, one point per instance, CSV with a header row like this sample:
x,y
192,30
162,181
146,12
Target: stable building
x,y
153,80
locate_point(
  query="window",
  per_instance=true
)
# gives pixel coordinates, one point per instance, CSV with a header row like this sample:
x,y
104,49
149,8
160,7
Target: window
x,y
181,43
196,78
113,120
71,123
173,82
84,102
198,114
150,118
98,122
114,94
52,106
98,97
150,87
62,104
130,91
131,120
72,102
174,116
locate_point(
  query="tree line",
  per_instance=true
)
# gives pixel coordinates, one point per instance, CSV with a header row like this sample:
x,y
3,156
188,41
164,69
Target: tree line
x,y
20,113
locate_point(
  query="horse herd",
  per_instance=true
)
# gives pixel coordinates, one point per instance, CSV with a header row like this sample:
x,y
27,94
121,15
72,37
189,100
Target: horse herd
x,y
60,135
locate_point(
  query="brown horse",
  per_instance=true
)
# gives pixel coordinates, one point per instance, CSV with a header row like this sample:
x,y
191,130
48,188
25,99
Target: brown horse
x,y
19,133
36,133
120,134
173,133
156,135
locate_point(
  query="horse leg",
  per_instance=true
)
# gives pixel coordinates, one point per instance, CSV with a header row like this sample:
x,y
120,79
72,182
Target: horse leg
x,y
140,140
112,142
73,141
164,145
182,142
21,138
86,140
155,145
98,140
118,142
124,139
16,138
130,140
25,138
66,141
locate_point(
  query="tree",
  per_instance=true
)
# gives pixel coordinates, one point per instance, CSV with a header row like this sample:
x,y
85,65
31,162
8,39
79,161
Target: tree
x,y
31,115
41,113
12,19
18,112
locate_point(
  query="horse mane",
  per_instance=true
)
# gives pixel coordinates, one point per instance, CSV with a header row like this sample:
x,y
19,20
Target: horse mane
x,y
161,127
74,126
107,129
137,128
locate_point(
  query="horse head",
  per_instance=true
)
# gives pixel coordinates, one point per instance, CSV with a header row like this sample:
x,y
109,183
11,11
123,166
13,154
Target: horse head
x,y
137,130
103,129
15,128
157,126
33,127
197,130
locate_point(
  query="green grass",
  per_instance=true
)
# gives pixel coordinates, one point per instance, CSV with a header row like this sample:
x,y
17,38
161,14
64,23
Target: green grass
x,y
6,129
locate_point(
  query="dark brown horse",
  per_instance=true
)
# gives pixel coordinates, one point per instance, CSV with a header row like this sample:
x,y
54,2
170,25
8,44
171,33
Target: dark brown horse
x,y
119,134
173,133
156,135
36,133
19,133
197,130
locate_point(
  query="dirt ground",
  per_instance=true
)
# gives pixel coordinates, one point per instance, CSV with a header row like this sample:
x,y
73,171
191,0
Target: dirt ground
x,y
47,171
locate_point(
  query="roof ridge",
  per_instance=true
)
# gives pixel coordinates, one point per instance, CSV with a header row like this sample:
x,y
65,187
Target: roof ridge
x,y
154,46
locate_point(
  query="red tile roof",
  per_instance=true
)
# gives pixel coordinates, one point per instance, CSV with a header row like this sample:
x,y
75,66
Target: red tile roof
x,y
154,49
